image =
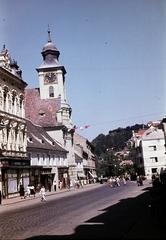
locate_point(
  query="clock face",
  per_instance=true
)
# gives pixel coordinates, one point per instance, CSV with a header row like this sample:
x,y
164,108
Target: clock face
x,y
50,77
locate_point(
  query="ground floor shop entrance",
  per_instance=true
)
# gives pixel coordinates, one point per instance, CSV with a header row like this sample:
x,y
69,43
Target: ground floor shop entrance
x,y
63,176
13,174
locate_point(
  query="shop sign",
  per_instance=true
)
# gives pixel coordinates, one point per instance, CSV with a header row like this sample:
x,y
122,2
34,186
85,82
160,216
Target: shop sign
x,y
19,163
14,163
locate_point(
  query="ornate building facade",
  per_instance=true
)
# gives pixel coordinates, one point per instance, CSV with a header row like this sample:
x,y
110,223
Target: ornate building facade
x,y
14,163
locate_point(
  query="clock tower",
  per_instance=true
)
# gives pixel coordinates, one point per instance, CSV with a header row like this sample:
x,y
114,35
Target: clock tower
x,y
51,73
52,81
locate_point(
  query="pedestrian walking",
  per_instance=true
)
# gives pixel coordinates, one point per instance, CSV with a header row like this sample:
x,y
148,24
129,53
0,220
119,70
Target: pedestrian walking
x,y
28,192
114,182
22,191
118,181
32,190
138,182
110,181
124,180
42,193
141,180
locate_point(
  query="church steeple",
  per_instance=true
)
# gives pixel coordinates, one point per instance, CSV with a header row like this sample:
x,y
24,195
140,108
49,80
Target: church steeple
x,y
52,83
50,53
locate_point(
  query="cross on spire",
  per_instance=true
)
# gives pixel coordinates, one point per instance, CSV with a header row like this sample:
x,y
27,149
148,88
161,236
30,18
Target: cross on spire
x,y
49,34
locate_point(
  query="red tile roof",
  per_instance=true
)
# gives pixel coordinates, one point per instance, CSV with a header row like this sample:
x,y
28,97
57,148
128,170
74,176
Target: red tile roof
x,y
41,111
140,132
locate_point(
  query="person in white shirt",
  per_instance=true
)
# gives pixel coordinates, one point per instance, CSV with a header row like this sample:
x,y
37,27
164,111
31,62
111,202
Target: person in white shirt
x,y
28,192
42,193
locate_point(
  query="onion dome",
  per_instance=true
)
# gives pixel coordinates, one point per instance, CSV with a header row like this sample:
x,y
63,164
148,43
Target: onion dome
x,y
50,49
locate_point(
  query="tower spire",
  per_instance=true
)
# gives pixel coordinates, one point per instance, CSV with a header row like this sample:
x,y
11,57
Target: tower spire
x,y
49,34
50,53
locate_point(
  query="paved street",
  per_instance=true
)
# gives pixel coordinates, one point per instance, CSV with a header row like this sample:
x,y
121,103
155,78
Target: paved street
x,y
95,212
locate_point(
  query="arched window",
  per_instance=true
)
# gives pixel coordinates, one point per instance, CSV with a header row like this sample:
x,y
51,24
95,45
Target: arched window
x,y
21,98
9,104
17,106
5,91
51,91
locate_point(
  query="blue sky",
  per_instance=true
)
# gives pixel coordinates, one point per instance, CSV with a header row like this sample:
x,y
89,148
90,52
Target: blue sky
x,y
114,52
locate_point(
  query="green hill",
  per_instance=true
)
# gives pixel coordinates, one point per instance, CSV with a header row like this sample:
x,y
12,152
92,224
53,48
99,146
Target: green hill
x,y
107,146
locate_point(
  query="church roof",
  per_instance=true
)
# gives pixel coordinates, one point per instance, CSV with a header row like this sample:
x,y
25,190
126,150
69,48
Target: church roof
x,y
41,111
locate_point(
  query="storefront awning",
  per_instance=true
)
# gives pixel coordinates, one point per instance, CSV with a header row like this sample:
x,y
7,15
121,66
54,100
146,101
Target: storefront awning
x,y
93,175
81,175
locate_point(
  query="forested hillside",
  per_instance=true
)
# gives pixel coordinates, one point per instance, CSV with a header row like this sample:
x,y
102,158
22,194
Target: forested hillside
x,y
107,146
115,139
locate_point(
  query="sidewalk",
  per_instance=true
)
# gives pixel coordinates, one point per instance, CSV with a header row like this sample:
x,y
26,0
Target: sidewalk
x,y
18,202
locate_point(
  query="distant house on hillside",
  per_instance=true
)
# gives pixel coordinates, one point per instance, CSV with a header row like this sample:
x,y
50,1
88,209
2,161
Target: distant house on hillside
x,y
151,158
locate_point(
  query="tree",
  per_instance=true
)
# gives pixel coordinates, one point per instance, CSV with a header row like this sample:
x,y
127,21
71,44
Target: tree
x,y
106,147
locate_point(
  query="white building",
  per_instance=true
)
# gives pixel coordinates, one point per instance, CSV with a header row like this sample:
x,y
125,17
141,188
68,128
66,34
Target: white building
x,y
49,164
153,151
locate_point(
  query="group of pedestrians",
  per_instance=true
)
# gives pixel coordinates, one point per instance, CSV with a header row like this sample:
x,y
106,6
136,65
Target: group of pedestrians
x,y
116,181
30,190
